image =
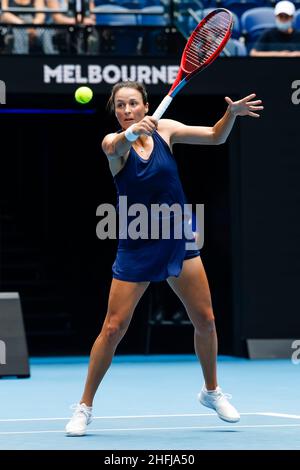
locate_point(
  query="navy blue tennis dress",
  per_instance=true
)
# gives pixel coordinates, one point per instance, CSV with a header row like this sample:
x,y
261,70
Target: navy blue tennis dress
x,y
148,182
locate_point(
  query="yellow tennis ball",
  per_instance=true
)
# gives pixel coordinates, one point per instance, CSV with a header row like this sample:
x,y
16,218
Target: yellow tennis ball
x,y
83,94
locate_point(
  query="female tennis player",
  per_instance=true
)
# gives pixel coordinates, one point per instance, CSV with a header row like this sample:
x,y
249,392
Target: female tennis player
x,y
144,169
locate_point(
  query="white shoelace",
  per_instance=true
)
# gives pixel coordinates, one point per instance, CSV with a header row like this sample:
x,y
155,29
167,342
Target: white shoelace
x,y
228,396
219,394
78,409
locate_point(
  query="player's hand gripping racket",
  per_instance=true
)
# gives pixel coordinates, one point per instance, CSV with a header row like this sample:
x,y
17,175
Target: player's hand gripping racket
x,y
203,47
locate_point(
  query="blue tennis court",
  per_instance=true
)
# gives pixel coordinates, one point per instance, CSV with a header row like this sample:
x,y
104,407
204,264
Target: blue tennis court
x,y
150,403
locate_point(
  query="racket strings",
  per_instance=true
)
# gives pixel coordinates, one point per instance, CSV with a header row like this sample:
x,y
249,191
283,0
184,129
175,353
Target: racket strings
x,y
206,40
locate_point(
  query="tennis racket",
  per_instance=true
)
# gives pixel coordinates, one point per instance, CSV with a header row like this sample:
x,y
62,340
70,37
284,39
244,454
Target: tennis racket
x,y
203,47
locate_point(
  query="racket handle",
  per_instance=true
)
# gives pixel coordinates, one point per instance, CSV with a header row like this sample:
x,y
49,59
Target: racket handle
x,y
162,107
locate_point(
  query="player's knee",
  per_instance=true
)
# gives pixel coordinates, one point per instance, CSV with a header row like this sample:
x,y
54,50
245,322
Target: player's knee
x,y
114,331
205,321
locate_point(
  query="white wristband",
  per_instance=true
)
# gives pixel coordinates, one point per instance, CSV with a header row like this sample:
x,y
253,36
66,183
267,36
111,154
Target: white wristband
x,y
131,136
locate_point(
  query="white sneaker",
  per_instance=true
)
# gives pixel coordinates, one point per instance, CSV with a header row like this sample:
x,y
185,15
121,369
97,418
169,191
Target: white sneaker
x,y
218,401
82,416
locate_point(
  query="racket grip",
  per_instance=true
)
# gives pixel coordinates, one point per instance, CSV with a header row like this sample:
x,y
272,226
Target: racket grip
x,y
162,107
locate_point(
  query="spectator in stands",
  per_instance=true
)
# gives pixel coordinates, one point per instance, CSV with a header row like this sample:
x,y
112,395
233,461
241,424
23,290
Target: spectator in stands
x,y
27,40
282,41
74,40
69,18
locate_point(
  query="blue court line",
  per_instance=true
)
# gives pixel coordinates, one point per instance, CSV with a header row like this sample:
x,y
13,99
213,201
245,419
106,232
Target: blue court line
x,y
45,111
136,359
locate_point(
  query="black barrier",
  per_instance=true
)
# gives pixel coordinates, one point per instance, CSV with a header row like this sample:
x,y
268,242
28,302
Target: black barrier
x,y
271,77
13,346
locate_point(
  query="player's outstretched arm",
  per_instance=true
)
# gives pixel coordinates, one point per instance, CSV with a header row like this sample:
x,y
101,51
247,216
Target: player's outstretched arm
x,y
181,133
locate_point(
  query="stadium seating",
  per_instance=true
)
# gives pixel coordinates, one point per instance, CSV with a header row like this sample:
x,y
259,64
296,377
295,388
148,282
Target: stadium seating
x,y
297,20
255,21
156,19
240,6
114,16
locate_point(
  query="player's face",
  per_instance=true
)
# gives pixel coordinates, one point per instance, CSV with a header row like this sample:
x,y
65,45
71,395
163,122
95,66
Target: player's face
x,y
129,106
